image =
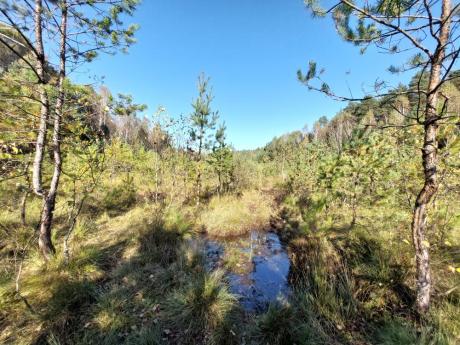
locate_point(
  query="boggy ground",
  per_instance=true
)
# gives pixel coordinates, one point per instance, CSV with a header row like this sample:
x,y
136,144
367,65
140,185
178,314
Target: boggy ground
x,y
135,277
257,267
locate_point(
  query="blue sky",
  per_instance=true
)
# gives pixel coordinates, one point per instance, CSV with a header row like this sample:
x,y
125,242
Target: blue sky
x,y
251,49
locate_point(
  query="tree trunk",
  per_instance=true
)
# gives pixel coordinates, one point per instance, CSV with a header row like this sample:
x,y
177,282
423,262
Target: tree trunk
x,y
44,241
422,255
44,103
429,159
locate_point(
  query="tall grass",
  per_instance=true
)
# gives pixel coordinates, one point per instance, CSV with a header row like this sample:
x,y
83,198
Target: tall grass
x,y
134,278
236,215
204,309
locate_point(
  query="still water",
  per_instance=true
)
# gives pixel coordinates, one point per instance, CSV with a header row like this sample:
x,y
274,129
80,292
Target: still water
x,y
259,267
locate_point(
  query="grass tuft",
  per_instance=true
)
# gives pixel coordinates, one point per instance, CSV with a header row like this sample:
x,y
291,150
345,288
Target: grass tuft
x,y
204,308
235,216
275,326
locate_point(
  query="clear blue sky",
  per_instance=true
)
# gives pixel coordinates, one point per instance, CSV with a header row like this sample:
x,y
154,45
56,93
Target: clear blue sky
x,y
251,49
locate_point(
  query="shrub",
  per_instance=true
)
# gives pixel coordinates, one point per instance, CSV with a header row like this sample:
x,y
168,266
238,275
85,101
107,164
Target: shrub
x,y
120,198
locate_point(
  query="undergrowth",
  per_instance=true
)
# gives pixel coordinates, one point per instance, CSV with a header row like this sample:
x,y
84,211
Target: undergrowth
x,y
236,215
137,276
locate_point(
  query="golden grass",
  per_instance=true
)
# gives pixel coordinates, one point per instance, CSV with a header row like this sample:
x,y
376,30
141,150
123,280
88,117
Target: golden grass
x,y
233,216
50,288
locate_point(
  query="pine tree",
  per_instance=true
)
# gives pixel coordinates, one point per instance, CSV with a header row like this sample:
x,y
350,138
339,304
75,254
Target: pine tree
x,y
202,124
429,29
221,159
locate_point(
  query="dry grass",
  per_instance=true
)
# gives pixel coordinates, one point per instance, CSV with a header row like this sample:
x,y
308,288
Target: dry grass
x,y
59,293
233,216
134,279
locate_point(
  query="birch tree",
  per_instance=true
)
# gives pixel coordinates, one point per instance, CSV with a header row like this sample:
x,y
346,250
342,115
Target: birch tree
x,y
83,29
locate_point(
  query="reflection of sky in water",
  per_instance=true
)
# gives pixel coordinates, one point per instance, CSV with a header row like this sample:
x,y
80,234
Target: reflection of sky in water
x,y
267,280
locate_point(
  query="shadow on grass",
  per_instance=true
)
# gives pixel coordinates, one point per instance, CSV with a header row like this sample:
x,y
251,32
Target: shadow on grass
x,y
351,281
148,285
75,290
150,289
378,275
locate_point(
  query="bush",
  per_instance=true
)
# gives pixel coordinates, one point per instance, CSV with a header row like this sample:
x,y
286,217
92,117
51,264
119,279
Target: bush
x,y
120,198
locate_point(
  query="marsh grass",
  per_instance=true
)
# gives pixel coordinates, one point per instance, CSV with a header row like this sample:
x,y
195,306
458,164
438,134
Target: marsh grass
x,y
236,260
236,215
131,279
119,198
275,326
392,331
352,287
136,276
204,309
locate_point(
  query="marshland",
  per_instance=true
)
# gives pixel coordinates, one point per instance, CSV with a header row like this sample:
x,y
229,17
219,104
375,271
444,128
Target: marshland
x,y
235,178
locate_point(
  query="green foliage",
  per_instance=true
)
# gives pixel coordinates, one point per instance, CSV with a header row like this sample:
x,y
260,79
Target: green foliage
x,y
120,198
221,160
203,120
125,106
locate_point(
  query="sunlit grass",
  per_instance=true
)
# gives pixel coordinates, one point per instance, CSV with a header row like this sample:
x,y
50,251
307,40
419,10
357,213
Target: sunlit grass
x,y
234,216
137,276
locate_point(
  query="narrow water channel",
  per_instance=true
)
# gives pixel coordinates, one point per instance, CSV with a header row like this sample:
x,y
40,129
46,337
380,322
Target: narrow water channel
x,y
257,267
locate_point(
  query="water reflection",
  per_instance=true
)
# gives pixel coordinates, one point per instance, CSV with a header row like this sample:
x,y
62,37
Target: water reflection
x,y
257,265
